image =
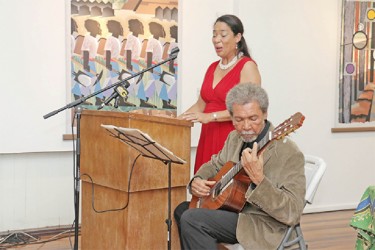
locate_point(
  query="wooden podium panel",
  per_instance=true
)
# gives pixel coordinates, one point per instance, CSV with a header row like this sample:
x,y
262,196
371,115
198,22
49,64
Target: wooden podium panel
x,y
108,161
140,226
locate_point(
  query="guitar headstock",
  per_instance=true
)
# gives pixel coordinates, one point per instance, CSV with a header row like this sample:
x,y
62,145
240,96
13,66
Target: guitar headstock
x,y
288,126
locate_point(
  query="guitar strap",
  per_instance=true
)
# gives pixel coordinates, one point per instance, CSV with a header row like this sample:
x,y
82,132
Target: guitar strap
x,y
258,139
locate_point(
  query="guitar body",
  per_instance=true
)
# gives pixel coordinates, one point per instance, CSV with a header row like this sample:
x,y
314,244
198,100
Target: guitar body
x,y
231,197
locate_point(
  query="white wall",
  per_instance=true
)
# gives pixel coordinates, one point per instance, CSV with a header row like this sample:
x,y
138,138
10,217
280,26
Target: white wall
x,y
296,45
33,75
36,190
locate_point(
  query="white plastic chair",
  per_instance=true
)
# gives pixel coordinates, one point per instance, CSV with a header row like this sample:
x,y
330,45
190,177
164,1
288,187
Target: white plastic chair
x,y
314,171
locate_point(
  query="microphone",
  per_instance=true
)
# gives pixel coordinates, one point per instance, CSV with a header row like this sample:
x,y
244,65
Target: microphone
x,y
118,91
174,51
122,91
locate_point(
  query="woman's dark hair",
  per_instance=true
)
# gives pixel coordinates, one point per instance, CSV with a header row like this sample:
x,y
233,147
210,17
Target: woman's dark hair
x,y
236,26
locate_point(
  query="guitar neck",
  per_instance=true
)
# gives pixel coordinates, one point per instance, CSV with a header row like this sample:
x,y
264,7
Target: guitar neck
x,y
262,144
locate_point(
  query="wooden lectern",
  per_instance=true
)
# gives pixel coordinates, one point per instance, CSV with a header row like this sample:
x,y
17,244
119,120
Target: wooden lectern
x,y
142,224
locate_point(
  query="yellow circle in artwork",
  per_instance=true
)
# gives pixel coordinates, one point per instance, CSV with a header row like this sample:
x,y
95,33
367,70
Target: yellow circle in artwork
x,y
371,14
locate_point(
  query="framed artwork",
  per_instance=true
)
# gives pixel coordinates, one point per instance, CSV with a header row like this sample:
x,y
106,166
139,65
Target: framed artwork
x,y
356,102
112,40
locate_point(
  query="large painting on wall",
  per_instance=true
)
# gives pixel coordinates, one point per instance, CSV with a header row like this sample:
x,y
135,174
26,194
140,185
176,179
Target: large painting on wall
x,y
112,40
356,107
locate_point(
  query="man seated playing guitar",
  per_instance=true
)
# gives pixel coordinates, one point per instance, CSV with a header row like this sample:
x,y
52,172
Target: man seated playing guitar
x,y
253,188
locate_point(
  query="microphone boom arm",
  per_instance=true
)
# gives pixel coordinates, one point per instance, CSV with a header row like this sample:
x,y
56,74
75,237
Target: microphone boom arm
x,y
83,99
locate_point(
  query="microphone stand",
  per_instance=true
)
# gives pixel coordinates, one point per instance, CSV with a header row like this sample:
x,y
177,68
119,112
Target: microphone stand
x,y
78,111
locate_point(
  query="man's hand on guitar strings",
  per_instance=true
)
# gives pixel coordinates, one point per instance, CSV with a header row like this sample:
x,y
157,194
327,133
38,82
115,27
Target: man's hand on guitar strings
x,y
253,164
201,187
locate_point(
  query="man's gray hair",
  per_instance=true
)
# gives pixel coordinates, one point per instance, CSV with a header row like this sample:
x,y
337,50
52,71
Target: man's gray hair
x,y
244,93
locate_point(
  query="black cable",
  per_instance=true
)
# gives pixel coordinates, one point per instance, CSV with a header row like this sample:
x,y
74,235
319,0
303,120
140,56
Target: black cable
x,y
114,209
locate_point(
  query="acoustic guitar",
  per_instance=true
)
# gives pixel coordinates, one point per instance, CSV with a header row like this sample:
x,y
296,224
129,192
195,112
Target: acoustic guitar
x,y
232,182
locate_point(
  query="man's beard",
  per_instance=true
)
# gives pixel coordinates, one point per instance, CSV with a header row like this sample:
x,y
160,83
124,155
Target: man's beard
x,y
246,136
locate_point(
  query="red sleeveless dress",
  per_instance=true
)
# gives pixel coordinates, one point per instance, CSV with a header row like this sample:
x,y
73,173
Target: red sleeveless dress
x,y
214,134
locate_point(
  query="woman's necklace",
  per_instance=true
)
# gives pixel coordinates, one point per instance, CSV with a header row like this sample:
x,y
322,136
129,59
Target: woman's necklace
x,y
231,63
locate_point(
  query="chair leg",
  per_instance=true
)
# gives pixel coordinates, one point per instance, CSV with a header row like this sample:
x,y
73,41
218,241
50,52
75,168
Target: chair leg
x,y
302,243
284,242
288,242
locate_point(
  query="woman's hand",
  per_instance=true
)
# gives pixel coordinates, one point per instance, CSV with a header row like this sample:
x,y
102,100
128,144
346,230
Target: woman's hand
x,y
196,117
195,112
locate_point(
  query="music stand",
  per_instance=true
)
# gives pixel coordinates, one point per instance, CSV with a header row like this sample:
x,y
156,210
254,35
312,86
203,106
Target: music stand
x,y
149,148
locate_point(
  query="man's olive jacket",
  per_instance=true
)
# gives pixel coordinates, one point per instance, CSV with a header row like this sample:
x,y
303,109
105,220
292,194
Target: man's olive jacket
x,y
277,201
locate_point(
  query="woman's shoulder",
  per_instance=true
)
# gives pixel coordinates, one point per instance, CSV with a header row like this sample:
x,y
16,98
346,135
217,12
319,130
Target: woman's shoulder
x,y
250,71
248,60
244,62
